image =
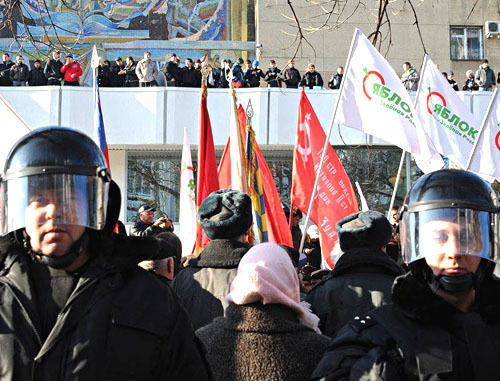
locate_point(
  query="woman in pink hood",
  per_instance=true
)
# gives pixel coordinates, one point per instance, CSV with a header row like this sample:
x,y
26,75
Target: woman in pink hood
x,y
267,332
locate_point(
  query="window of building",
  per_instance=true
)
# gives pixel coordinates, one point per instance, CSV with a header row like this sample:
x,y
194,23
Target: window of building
x,y
466,43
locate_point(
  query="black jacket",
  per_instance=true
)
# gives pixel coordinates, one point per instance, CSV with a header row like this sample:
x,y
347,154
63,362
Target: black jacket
x,y
203,286
291,77
118,324
261,342
53,69
131,77
419,337
253,76
190,77
103,76
36,77
19,72
116,80
173,71
361,281
311,79
141,229
335,81
272,77
5,73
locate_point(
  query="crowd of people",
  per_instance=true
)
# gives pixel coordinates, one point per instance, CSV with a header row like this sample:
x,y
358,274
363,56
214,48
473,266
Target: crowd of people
x,y
82,300
242,73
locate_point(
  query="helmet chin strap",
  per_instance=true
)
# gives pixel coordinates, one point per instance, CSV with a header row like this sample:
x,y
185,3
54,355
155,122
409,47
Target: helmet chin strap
x,y
454,283
62,261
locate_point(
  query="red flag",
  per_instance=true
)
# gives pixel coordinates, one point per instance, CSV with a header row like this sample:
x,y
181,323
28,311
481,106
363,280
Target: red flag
x,y
206,182
277,225
334,197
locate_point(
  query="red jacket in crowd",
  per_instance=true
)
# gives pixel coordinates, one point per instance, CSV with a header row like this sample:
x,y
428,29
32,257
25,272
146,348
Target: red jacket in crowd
x,y
70,69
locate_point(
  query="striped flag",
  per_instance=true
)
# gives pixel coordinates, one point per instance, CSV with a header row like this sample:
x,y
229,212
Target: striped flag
x,y
187,217
99,133
255,188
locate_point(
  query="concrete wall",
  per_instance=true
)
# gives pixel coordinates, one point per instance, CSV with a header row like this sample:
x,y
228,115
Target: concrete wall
x,y
330,46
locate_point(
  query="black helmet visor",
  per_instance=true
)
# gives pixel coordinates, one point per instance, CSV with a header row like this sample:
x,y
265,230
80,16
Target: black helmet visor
x,y
67,199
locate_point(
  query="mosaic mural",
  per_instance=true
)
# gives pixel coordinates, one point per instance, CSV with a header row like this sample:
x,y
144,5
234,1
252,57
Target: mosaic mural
x,y
205,29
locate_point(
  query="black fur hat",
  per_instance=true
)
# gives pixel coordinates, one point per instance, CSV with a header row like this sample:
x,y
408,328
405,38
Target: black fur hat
x,y
364,229
225,214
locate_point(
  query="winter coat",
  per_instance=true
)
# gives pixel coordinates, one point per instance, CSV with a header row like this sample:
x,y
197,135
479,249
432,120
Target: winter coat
x,y
419,337
118,324
485,78
115,79
142,229
291,77
410,79
272,77
130,76
146,71
52,69
103,76
253,76
261,342
5,74
172,71
203,286
470,85
335,81
69,70
314,256
311,79
190,77
296,236
36,77
19,72
361,281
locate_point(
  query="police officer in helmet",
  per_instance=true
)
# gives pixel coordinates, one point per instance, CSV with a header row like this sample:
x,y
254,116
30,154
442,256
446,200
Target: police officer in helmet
x,y
444,322
70,309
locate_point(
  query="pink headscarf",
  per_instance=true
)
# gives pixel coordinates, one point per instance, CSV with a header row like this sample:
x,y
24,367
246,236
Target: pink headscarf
x,y
266,274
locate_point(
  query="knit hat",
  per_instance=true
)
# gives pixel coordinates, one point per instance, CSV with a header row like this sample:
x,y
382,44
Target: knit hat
x,y
266,274
255,63
225,214
364,229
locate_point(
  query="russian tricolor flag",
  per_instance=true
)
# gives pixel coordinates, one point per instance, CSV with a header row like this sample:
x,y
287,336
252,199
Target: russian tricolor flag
x,y
99,133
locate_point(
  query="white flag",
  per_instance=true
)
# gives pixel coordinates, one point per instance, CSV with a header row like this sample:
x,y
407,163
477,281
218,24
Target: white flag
x,y
94,61
236,148
373,100
485,158
446,119
13,128
187,215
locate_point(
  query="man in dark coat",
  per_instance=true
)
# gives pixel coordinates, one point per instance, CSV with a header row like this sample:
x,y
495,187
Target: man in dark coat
x,y
272,75
115,79
336,79
291,76
253,75
5,70
311,78
128,71
444,322
36,77
145,227
19,73
52,69
189,75
74,305
363,276
226,217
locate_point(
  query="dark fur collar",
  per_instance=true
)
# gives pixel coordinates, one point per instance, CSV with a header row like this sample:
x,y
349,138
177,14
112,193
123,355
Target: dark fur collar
x,y
417,300
257,317
366,260
221,253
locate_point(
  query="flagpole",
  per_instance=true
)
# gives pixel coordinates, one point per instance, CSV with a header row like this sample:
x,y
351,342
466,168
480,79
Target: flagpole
x,y
486,116
327,140
403,155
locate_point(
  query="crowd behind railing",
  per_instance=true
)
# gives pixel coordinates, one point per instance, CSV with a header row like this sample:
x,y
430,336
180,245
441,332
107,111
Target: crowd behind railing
x,y
242,73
